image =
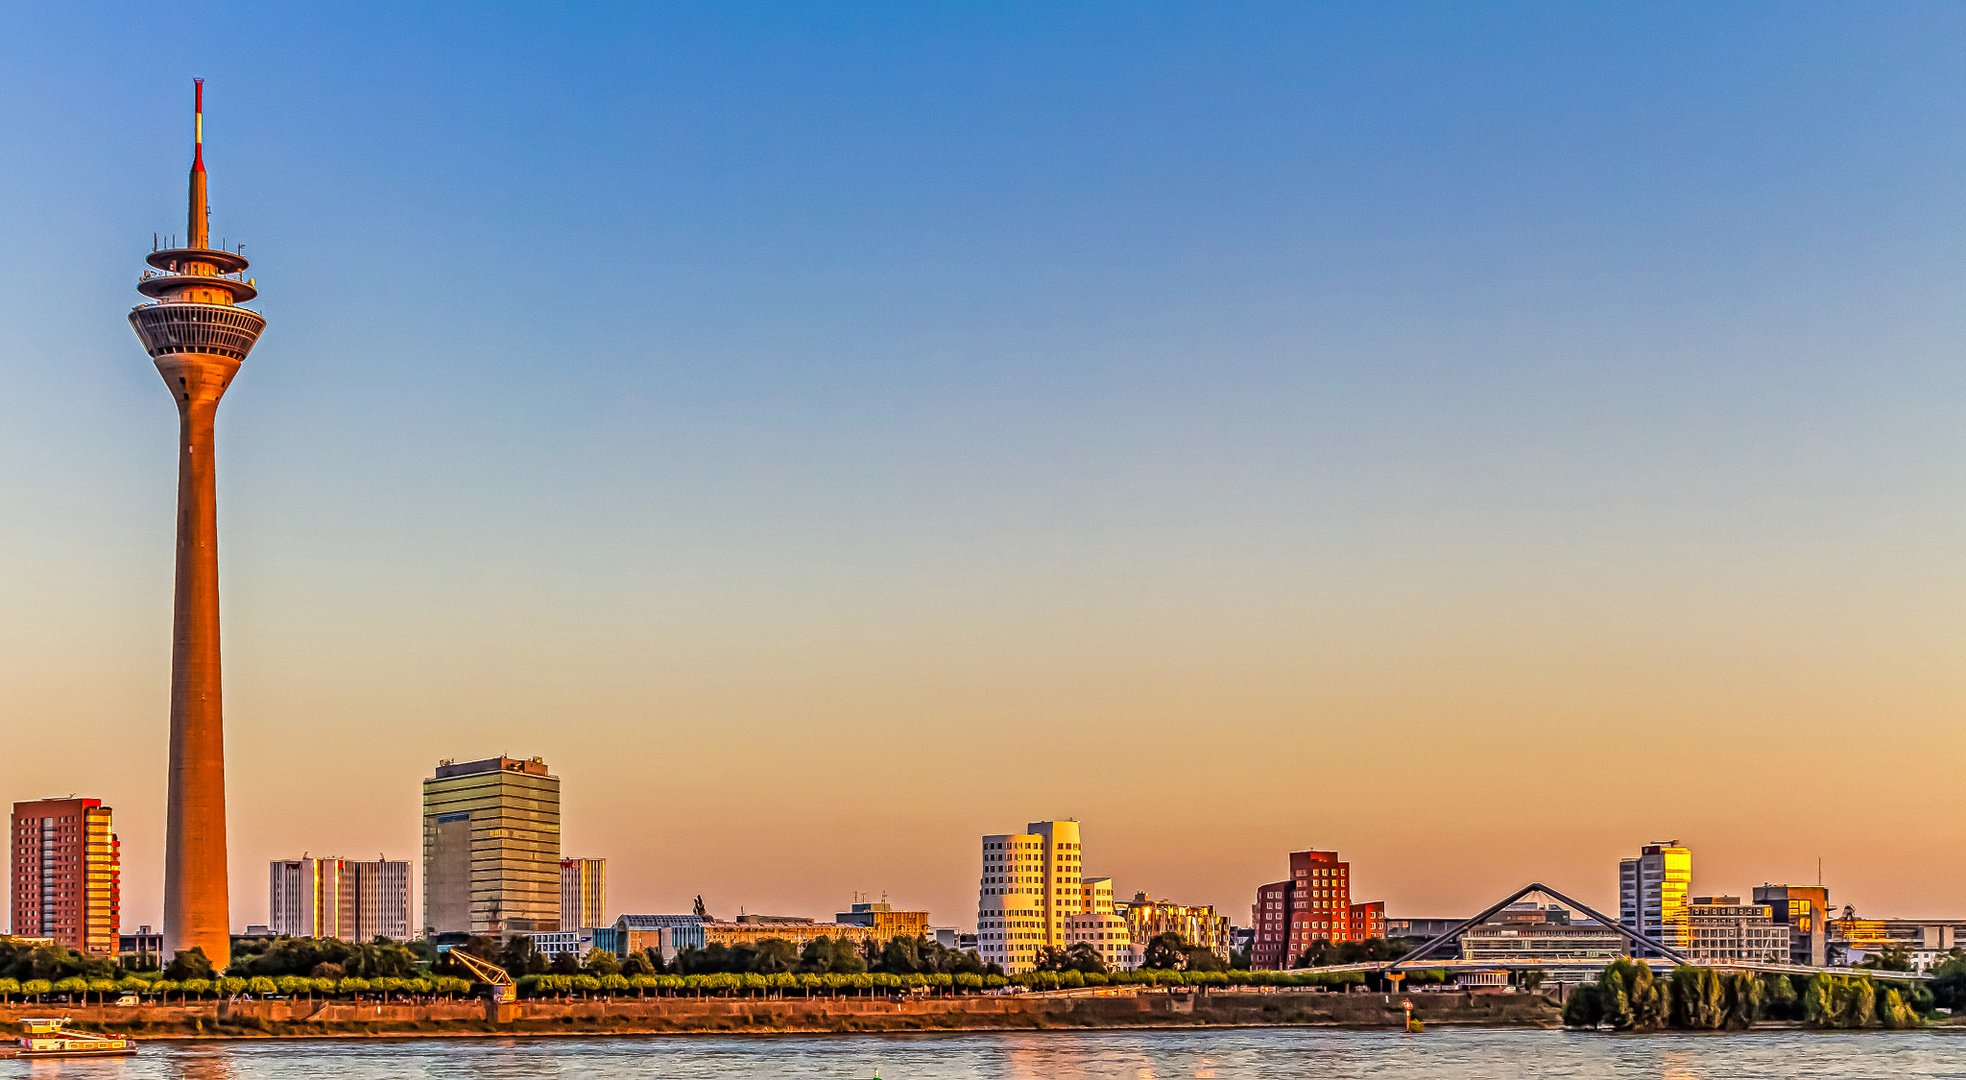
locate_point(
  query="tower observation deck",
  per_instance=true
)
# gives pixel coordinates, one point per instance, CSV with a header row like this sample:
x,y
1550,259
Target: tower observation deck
x,y
197,335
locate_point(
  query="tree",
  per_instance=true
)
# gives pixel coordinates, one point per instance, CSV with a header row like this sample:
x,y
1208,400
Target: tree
x,y
1892,957
1166,951
637,963
1083,957
829,955
601,963
190,963
1585,1009
1949,981
517,954
1631,999
1317,954
565,963
1202,958
773,956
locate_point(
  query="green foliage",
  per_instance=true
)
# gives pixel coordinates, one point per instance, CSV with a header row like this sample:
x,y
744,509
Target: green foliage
x,y
190,964
1779,1000
1165,952
319,958
1585,1008
1949,981
1632,999
1323,952
600,963
1892,957
1840,1001
24,960
1891,1010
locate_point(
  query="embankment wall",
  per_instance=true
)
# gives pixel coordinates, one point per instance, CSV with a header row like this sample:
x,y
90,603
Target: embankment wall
x,y
263,1019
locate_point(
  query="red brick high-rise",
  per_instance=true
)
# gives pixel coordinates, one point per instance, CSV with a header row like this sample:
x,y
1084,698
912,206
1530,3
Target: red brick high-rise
x,y
67,874
1313,904
197,334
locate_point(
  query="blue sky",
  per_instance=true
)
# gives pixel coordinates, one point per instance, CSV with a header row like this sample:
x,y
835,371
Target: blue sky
x,y
884,384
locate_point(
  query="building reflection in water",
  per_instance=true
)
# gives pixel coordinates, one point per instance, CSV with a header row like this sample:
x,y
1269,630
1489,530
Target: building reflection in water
x,y
210,1065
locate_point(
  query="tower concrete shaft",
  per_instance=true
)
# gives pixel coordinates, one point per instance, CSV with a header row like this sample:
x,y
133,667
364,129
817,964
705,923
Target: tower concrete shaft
x,y
198,336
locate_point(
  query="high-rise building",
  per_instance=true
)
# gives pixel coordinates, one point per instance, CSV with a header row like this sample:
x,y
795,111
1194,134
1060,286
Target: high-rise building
x,y
339,898
382,899
1652,893
1313,904
197,334
1030,886
67,874
583,893
491,848
1804,909
311,898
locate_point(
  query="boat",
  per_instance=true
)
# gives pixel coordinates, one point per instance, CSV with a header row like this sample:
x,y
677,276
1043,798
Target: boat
x,y
53,1038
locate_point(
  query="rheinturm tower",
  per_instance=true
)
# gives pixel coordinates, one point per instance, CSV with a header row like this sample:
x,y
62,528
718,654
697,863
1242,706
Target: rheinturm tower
x,y
198,334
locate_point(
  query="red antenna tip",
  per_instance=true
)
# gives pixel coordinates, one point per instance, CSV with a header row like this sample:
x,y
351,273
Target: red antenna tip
x,y
198,127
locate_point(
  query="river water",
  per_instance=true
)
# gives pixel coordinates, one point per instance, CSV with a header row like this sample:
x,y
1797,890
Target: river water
x,y
1242,1054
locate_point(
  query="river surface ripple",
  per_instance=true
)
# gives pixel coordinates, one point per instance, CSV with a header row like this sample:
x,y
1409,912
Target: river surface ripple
x,y
1244,1054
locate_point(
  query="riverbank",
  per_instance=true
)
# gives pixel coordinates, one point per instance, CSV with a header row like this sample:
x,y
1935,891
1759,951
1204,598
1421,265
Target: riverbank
x,y
1010,1012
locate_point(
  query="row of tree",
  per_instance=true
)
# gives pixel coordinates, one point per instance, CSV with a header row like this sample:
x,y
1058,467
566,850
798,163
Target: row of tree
x,y
75,988
878,982
771,956
1629,997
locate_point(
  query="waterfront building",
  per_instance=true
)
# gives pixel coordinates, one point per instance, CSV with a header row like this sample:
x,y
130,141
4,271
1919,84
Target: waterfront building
x,y
1147,918
1419,930
67,874
583,893
491,848
800,934
642,933
1852,940
1721,928
1804,909
670,934
1547,941
197,335
1652,893
1313,904
338,898
552,943
142,950
1109,935
884,921
1031,885
1100,925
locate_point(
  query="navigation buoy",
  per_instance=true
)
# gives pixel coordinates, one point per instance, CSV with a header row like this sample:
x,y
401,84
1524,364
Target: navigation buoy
x,y
1412,1026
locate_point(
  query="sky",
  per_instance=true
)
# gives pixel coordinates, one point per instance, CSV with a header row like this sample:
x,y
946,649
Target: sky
x,y
1481,439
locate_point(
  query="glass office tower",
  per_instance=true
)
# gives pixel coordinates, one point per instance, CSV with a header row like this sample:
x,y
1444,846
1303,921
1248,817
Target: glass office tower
x,y
491,848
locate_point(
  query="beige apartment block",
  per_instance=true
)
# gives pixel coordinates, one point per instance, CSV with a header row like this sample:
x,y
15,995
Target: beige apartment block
x,y
1722,928
1030,889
